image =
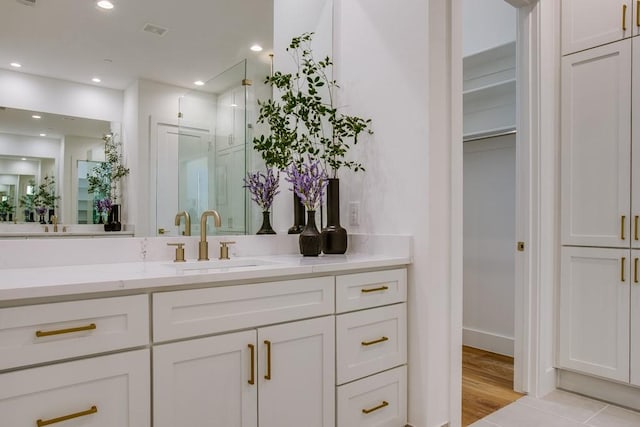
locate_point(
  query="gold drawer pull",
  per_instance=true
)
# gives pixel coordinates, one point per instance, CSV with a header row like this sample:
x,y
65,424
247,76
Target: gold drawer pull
x,y
623,219
89,327
378,341
635,226
41,423
638,13
624,17
375,408
267,376
622,262
381,288
635,270
252,381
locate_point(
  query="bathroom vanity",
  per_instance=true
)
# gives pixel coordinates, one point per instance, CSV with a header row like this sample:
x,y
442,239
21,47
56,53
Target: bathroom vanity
x,y
264,341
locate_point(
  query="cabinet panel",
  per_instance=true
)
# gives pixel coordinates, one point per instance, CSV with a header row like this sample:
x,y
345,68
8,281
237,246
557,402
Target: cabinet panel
x,y
594,311
596,143
370,341
117,386
299,360
590,23
635,146
376,401
635,319
366,290
47,332
205,382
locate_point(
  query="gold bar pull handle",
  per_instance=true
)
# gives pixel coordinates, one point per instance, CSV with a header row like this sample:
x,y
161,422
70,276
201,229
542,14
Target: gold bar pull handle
x,y
635,270
624,17
379,289
622,263
252,380
379,340
267,375
89,327
375,408
638,13
89,411
635,227
623,220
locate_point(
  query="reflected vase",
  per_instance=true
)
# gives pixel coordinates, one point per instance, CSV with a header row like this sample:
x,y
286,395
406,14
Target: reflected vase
x,y
266,224
334,237
298,216
114,218
310,241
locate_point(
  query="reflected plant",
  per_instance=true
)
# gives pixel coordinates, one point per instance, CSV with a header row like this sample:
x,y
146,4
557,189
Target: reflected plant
x,y
104,179
263,187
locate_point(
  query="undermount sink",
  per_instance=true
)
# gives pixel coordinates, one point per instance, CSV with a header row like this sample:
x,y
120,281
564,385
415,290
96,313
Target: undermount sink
x,y
219,264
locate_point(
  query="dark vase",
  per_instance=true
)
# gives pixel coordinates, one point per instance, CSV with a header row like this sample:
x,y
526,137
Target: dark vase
x,y
334,237
10,217
310,240
42,221
266,224
51,214
298,216
114,218
31,217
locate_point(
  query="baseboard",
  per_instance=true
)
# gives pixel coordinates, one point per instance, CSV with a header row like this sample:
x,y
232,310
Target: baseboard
x,y
617,393
487,341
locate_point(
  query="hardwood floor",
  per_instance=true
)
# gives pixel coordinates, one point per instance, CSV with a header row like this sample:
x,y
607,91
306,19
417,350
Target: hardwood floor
x,y
487,383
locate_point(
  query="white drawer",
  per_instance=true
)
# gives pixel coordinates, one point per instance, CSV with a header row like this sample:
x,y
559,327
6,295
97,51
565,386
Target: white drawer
x,y
370,341
376,401
116,385
196,312
45,332
366,290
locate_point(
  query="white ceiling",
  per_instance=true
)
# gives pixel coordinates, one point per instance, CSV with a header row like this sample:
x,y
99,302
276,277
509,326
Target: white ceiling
x,y
74,40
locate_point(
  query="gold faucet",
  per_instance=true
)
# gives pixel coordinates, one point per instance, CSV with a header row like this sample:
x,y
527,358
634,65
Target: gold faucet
x,y
203,252
54,219
187,222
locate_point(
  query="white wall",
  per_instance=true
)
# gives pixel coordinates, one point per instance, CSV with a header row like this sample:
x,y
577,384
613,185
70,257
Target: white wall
x,y
487,24
489,238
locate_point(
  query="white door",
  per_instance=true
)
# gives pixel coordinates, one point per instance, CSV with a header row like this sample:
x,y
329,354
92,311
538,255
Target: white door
x,y
590,23
297,374
102,391
594,311
635,318
596,143
206,382
635,146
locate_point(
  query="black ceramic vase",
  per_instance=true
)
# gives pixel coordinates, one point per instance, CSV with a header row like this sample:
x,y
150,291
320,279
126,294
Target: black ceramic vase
x,y
334,237
266,224
298,216
310,240
114,218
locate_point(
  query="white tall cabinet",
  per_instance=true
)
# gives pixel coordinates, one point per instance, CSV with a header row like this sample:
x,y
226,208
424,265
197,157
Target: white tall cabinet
x,y
599,309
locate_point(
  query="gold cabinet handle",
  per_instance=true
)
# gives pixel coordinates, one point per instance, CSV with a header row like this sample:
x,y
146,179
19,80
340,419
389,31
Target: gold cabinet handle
x,y
89,327
379,340
622,262
635,270
375,408
623,219
89,411
380,289
635,227
267,375
624,17
252,380
638,13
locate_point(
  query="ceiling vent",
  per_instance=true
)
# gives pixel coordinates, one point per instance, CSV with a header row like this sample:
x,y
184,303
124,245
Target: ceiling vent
x,y
27,2
154,29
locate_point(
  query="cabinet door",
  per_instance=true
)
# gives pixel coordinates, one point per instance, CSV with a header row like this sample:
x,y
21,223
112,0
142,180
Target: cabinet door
x,y
596,144
594,311
635,318
206,382
590,23
297,374
102,391
635,146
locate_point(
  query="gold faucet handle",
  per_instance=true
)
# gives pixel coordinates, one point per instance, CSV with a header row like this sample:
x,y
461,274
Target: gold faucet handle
x,y
179,251
224,249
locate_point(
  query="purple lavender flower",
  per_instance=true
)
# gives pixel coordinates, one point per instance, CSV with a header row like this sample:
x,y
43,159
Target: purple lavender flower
x,y
41,210
309,180
104,205
263,187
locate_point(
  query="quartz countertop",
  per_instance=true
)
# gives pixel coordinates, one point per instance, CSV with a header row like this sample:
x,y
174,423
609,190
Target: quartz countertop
x,y
43,282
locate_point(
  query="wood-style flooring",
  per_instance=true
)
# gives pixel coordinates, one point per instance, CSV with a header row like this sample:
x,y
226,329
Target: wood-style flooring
x,y
487,383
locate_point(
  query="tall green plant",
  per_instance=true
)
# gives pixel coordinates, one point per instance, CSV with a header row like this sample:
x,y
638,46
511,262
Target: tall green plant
x,y
305,120
46,193
104,179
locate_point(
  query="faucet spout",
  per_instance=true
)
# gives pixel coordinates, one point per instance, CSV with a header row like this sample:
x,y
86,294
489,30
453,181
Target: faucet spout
x,y
203,252
187,222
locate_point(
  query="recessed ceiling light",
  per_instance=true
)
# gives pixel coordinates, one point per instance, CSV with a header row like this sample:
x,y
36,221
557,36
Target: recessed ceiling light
x,y
16,65
24,158
234,105
96,80
35,116
199,83
256,48
105,4
43,134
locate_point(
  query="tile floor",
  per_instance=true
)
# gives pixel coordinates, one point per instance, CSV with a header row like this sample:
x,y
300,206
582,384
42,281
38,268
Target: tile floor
x,y
560,409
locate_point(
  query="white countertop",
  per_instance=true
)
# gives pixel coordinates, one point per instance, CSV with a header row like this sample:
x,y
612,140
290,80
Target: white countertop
x,y
26,283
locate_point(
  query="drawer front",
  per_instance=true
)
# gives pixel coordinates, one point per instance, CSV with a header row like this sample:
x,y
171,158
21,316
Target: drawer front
x,y
103,391
370,341
46,332
196,312
366,290
376,401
